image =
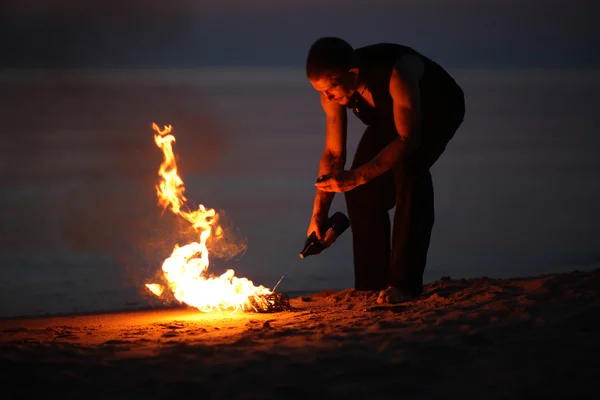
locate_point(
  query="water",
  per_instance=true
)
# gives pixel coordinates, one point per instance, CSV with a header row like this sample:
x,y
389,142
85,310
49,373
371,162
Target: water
x,y
517,190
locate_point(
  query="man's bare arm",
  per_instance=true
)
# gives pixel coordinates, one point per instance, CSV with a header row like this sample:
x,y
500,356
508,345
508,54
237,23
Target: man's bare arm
x,y
333,158
404,89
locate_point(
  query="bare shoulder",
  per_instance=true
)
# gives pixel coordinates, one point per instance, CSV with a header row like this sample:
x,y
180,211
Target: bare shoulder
x,y
404,82
409,66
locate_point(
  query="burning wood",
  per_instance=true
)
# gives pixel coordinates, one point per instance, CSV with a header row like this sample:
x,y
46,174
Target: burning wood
x,y
270,303
186,269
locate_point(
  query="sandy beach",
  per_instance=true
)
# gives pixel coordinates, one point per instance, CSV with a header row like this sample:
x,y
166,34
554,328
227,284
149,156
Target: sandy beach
x,y
533,337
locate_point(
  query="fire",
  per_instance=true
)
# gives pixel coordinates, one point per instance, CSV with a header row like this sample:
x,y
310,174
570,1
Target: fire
x,y
186,270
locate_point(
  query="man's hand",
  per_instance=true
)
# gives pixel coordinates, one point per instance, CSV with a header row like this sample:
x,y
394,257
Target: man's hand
x,y
316,223
340,182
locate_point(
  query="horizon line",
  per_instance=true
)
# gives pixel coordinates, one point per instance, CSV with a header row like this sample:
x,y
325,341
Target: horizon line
x,y
235,75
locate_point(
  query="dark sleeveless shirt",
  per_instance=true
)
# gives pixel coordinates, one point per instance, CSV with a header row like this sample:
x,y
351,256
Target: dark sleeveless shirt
x,y
440,94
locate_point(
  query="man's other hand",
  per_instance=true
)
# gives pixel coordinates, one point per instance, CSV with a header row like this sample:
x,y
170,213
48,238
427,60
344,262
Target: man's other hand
x,y
339,182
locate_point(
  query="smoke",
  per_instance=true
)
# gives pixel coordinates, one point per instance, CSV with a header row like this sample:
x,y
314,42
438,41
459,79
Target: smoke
x,y
231,244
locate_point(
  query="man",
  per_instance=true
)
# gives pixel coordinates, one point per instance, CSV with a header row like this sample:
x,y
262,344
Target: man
x,y
412,107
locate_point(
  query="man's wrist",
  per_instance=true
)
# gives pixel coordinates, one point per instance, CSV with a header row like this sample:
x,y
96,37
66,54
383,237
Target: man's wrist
x,y
321,209
363,174
319,213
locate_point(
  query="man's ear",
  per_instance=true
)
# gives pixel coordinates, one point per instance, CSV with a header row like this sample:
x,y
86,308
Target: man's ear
x,y
354,73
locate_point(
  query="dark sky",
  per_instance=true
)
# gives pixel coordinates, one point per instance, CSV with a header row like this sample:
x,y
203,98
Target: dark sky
x,y
155,33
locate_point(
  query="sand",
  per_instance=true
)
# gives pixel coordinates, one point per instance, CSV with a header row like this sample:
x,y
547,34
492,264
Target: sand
x,y
522,338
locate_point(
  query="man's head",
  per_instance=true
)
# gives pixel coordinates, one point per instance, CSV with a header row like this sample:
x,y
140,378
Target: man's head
x,y
329,69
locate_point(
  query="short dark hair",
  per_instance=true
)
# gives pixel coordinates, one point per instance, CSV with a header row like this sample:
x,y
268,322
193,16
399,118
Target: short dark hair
x,y
328,56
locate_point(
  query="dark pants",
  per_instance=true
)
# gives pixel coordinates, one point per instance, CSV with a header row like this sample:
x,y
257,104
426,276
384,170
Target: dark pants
x,y
399,262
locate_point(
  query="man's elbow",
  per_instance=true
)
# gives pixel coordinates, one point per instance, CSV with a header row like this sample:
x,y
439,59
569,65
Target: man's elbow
x,y
410,144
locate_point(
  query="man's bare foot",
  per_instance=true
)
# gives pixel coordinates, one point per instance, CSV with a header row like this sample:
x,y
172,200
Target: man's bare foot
x,y
391,295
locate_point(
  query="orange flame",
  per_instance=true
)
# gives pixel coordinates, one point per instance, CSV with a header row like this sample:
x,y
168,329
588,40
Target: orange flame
x,y
186,270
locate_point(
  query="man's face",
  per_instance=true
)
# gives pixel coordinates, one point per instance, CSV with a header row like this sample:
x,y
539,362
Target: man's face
x,y
338,87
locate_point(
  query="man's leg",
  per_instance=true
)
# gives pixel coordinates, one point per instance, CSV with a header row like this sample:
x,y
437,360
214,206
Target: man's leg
x,y
413,223
414,215
368,207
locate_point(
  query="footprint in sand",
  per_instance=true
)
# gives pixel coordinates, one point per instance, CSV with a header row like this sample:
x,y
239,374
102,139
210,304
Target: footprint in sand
x,y
140,332
172,326
64,332
12,331
134,334
115,342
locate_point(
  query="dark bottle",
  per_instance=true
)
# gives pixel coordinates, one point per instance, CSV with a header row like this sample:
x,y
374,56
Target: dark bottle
x,y
335,226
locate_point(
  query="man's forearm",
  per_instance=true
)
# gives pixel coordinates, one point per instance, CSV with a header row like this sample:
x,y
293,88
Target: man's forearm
x,y
328,164
385,160
322,202
407,117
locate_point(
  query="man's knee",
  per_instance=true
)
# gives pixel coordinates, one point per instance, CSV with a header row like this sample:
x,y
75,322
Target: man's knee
x,y
364,204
